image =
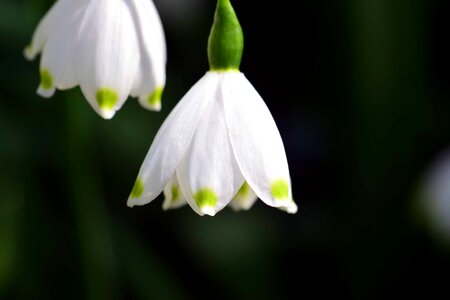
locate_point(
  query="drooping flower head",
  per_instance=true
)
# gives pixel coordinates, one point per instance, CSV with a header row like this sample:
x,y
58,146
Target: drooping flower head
x,y
220,144
110,48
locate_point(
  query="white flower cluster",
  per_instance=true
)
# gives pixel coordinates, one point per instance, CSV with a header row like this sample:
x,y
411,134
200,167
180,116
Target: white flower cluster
x,y
220,145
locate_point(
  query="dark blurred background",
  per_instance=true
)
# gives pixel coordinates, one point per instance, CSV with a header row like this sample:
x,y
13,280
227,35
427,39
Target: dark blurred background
x,y
360,90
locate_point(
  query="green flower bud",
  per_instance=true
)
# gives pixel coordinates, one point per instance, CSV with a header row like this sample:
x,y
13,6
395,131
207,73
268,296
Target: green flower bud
x,y
226,40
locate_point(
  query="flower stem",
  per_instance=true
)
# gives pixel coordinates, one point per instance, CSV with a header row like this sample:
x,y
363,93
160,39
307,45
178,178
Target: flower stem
x,y
94,232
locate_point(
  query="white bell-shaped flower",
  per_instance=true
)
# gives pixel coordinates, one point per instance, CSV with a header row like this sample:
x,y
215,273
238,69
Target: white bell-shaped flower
x,y
220,135
111,48
220,138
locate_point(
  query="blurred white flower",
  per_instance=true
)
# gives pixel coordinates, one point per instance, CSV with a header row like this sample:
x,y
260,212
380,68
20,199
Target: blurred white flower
x,y
111,48
220,135
435,196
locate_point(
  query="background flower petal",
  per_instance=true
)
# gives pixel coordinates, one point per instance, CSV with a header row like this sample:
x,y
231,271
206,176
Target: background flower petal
x,y
108,61
49,23
151,76
173,196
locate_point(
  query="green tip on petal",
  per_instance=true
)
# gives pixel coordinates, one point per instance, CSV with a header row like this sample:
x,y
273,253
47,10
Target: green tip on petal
x,y
154,99
175,193
46,79
106,98
280,189
243,191
206,198
226,40
138,189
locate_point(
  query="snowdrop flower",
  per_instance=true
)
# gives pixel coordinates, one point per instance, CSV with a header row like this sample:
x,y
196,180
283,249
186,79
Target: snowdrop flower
x,y
111,48
219,138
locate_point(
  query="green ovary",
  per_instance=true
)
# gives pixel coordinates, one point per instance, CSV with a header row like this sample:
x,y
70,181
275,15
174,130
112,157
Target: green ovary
x,y
106,98
206,198
138,189
280,189
226,40
46,79
155,98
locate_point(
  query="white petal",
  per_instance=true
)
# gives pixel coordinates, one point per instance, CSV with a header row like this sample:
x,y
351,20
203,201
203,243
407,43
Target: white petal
x,y
172,141
208,174
57,13
61,51
46,92
173,196
244,199
257,142
108,55
151,77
